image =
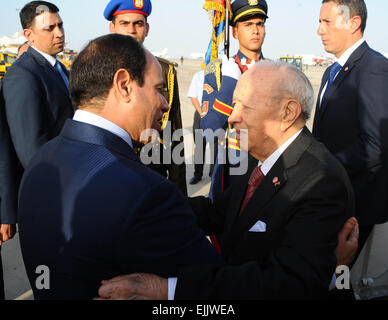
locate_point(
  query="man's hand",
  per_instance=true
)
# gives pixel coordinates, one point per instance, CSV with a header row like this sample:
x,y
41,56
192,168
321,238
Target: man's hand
x,y
230,68
196,105
7,232
347,243
136,286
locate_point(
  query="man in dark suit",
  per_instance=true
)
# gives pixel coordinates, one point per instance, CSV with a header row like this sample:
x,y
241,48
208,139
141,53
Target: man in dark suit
x,y
35,88
7,229
8,190
34,103
279,222
35,100
97,210
351,116
130,18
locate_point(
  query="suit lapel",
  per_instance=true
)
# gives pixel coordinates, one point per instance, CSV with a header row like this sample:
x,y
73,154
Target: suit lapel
x,y
238,224
335,85
239,193
49,70
344,72
263,195
325,78
88,133
272,184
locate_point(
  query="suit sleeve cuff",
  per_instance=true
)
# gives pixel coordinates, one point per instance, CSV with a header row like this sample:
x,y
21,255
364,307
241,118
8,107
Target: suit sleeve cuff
x,y
333,282
171,288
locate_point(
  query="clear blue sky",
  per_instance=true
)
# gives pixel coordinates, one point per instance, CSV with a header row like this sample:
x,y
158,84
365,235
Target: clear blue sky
x,y
183,26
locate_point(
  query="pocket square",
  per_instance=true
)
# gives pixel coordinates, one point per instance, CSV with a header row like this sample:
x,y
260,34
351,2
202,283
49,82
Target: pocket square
x,y
260,226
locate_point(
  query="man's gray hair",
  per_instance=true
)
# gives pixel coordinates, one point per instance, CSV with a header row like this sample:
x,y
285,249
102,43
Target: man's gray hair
x,y
292,82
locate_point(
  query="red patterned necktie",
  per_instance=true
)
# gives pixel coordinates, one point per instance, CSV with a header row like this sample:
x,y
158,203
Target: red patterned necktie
x,y
254,181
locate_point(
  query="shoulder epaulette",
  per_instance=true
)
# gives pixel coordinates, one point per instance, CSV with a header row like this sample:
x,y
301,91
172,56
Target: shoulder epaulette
x,y
165,61
213,67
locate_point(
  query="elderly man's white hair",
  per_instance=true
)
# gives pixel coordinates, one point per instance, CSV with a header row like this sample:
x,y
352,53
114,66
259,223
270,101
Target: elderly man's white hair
x,y
292,83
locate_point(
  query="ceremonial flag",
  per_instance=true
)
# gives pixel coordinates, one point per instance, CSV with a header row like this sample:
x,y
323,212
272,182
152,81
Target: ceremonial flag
x,y
217,14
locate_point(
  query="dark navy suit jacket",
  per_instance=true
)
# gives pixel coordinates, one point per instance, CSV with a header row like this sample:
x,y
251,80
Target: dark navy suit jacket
x,y
90,210
282,245
34,105
10,170
352,122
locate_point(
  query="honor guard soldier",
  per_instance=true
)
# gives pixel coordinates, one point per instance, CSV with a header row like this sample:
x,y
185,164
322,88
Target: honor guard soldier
x,y
221,76
129,17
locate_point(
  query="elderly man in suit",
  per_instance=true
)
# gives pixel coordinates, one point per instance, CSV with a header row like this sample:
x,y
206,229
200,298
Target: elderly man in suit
x,y
35,103
279,222
97,210
351,117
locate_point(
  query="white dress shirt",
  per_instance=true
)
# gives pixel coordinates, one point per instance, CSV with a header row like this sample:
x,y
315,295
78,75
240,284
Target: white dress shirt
x,y
343,59
196,86
98,121
51,60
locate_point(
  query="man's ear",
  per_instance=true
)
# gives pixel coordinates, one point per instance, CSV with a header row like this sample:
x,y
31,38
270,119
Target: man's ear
x,y
112,27
122,85
27,34
147,29
234,32
355,24
291,112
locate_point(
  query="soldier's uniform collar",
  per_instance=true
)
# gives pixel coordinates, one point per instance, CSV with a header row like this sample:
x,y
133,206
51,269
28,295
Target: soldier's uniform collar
x,y
244,62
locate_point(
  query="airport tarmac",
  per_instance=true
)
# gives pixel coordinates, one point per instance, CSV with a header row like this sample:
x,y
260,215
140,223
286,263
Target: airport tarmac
x,y
15,278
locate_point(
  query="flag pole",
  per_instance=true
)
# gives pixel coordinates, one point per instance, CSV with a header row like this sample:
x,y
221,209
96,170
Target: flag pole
x,y
227,34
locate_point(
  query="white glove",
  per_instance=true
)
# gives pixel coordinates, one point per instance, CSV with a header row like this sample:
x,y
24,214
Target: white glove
x,y
253,62
230,68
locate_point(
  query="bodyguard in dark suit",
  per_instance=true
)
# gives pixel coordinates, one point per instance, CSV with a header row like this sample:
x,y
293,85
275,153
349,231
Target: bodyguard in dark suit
x,y
37,103
279,222
35,100
98,211
352,111
35,88
34,104
8,186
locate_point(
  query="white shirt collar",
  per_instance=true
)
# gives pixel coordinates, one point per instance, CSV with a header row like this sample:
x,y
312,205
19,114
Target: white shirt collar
x,y
346,55
267,165
51,60
98,121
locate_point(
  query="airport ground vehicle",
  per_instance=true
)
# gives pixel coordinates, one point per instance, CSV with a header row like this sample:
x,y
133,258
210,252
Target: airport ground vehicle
x,y
67,58
6,60
296,61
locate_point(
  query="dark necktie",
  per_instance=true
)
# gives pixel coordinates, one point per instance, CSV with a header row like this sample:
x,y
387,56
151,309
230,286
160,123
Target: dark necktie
x,y
335,68
256,178
58,67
